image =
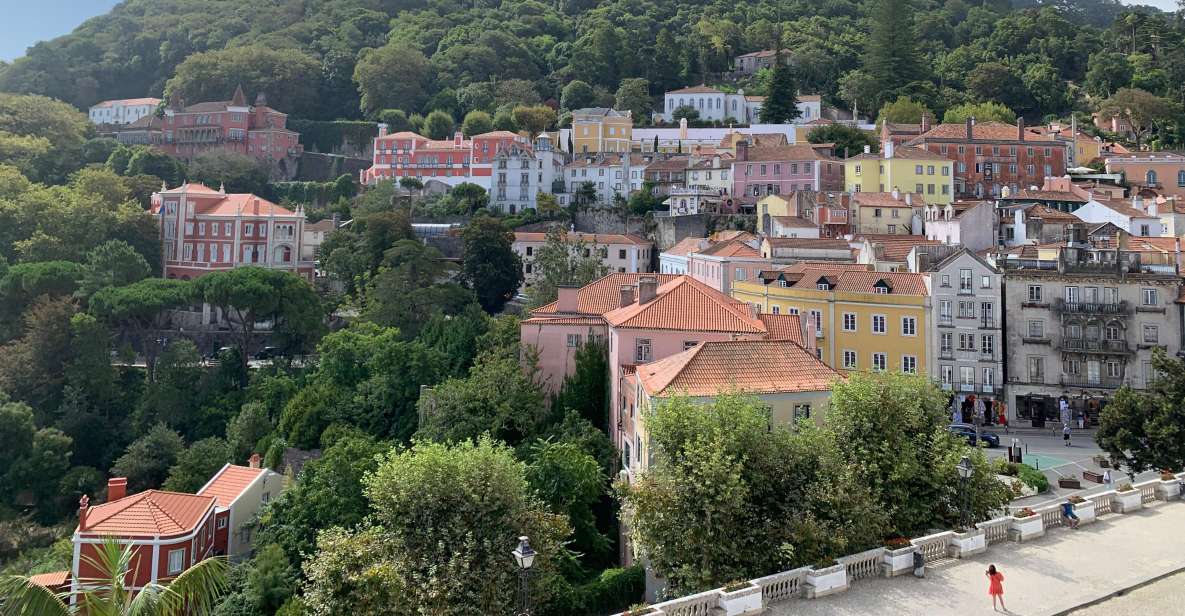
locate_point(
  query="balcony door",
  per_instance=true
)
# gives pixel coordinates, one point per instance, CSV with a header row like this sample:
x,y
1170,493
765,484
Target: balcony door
x,y
1093,372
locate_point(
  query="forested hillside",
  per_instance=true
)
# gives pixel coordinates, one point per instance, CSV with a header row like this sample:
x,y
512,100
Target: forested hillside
x,y
353,58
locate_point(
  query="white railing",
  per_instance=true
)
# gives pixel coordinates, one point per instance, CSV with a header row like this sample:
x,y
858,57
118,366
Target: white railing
x,y
863,565
996,530
1051,515
700,604
1102,502
781,586
1147,491
934,547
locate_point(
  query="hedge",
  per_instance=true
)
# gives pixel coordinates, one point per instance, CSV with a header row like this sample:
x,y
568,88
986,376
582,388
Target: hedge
x,y
613,591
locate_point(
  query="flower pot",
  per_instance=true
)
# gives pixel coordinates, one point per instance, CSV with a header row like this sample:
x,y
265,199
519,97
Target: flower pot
x,y
744,601
826,581
1085,512
1025,529
969,543
899,561
1168,490
1126,502
1069,482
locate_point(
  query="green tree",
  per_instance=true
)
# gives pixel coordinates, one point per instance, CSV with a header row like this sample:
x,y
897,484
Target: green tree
x,y
691,114
478,499
491,267
1107,72
1144,111
395,119
247,429
891,56
197,465
42,137
473,196
498,397
147,461
150,161
195,591
1146,429
571,483
270,582
848,140
534,119
405,292
1049,91
859,89
439,125
633,95
112,264
395,76
576,95
237,173
781,101
904,110
140,310
990,111
563,261
996,81
477,123
504,120
282,75
586,390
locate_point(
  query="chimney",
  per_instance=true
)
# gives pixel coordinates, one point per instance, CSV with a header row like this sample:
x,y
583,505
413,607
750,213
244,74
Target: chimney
x,y
1020,128
83,507
254,461
896,193
627,294
647,288
925,121
117,488
909,199
755,311
867,149
887,148
458,137
382,129
683,128
970,124
566,298
743,150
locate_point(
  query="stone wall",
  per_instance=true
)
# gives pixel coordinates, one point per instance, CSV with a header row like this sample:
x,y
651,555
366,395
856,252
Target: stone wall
x,y
608,221
314,167
670,230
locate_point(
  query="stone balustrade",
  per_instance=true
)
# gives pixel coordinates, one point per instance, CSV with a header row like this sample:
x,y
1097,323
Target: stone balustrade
x,y
811,582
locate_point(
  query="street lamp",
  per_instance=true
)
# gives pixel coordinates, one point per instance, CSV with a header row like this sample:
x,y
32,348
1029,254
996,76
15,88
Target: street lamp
x,y
524,556
965,469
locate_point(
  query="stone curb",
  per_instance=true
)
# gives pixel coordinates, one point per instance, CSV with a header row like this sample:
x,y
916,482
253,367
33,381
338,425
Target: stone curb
x,y
1118,593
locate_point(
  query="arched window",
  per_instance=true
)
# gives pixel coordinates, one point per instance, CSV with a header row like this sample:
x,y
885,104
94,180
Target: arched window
x,y
1181,178
282,254
1150,177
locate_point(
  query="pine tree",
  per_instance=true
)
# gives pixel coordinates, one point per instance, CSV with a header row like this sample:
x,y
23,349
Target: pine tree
x,y
781,105
891,56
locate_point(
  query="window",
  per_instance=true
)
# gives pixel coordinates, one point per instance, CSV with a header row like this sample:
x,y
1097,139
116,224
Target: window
x,y
176,561
817,320
621,253
188,229
985,282
1036,329
967,375
966,310
930,170
946,280
221,523
739,274
948,375
777,310
879,362
1151,334
1181,178
909,326
248,229
849,359
947,343
849,321
642,350
625,455
989,376
201,228
1150,177
1114,370
1034,294
878,323
1151,297
687,344
987,344
965,280
1036,369
1071,295
802,411
573,341
530,250
893,228
265,497
966,342
909,364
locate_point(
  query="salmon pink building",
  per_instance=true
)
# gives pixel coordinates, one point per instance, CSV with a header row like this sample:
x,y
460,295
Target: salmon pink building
x,y
451,161
759,171
203,230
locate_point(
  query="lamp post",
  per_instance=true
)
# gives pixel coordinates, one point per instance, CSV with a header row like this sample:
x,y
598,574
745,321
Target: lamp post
x,y
524,557
965,469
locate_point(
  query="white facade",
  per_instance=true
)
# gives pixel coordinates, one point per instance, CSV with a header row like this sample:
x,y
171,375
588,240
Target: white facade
x,y
519,175
124,111
967,341
1132,219
692,201
610,176
973,227
714,174
712,104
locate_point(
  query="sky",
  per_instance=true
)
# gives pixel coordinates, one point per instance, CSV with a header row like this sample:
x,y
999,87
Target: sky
x,y
27,21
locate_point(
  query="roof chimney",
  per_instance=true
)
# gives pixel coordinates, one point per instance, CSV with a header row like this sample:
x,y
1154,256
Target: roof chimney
x,y
1020,128
743,150
567,298
458,137
908,198
682,128
970,123
117,488
888,148
925,121
254,461
83,506
896,193
867,149
382,129
627,294
647,289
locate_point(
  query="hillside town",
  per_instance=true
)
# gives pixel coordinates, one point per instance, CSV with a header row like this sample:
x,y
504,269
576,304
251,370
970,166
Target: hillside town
x,y
350,307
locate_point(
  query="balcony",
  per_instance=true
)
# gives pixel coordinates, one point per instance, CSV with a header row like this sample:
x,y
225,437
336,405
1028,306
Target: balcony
x,y
1077,380
1084,345
945,320
946,353
1061,306
987,323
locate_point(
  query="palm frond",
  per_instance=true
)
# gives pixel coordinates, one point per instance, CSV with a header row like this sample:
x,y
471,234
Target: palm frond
x,y
19,596
196,591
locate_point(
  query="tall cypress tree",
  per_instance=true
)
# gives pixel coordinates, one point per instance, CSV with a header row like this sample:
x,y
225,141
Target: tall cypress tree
x,y
891,55
781,105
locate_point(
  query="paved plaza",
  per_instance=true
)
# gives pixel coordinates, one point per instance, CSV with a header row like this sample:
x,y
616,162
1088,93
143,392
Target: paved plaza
x,y
1046,577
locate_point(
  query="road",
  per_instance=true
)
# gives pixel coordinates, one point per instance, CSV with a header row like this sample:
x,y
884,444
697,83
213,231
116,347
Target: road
x,y
1164,596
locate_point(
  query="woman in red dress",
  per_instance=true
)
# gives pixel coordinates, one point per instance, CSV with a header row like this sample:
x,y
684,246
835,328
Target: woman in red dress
x,y
996,587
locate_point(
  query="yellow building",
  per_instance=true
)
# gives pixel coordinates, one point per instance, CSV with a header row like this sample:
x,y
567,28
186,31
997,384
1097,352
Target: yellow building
x,y
600,129
887,213
902,168
861,320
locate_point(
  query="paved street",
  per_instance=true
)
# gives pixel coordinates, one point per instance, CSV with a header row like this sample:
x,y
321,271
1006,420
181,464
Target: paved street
x,y
1058,572
1164,596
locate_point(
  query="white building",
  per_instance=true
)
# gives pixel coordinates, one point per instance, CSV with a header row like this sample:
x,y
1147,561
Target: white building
x,y
674,259
609,174
1133,218
713,104
971,224
520,174
713,173
692,201
123,111
622,253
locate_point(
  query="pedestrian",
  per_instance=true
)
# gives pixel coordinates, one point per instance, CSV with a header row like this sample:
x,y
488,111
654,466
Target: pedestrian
x,y
1003,410
980,411
996,587
1082,420
1107,477
1066,433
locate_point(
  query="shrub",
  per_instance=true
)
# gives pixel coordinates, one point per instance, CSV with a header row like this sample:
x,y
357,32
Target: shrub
x,y
1077,500
1025,513
1126,487
737,585
611,592
1032,477
896,543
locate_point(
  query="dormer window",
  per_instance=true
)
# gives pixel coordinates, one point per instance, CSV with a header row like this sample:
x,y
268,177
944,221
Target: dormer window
x,y
823,286
882,286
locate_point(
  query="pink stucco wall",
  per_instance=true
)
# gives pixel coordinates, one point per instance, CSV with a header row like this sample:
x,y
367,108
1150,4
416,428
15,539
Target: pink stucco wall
x,y
550,341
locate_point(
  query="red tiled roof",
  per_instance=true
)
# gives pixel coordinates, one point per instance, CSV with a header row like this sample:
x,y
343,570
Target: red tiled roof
x,y
149,513
601,295
600,239
700,89
783,327
828,267
245,203
229,483
897,247
191,187
53,579
1048,195
686,304
687,246
820,243
986,131
730,248
906,152
674,163
731,234
1049,214
796,222
785,152
901,283
1123,208
885,199
751,366
403,134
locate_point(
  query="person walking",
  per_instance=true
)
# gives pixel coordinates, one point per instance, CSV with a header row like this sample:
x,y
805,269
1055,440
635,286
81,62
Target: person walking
x,y
1066,433
996,587
980,411
1003,410
1107,477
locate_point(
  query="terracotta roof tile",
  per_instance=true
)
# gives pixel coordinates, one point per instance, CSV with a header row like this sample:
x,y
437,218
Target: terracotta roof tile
x,y
904,152
984,131
750,366
600,239
229,483
821,243
687,246
149,513
601,295
785,152
885,199
900,283
796,222
700,89
783,327
1049,214
1049,195
731,234
896,247
731,248
51,580
686,304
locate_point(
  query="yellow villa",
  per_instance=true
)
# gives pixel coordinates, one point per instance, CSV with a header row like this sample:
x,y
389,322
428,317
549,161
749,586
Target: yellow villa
x,y
861,320
902,168
600,129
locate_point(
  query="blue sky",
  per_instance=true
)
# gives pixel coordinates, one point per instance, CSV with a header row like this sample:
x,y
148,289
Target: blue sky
x,y
27,21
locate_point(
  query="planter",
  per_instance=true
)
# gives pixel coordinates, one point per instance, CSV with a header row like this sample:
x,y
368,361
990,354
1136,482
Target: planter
x,y
899,561
744,601
1168,490
1028,528
826,581
1102,461
1069,482
969,543
1085,512
1092,476
1126,502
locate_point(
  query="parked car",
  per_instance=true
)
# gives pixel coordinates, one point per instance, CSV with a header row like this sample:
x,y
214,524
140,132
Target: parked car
x,y
967,431
269,352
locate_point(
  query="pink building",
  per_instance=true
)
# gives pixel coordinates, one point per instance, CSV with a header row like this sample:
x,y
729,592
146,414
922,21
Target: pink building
x,y
776,170
205,230
451,161
721,264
